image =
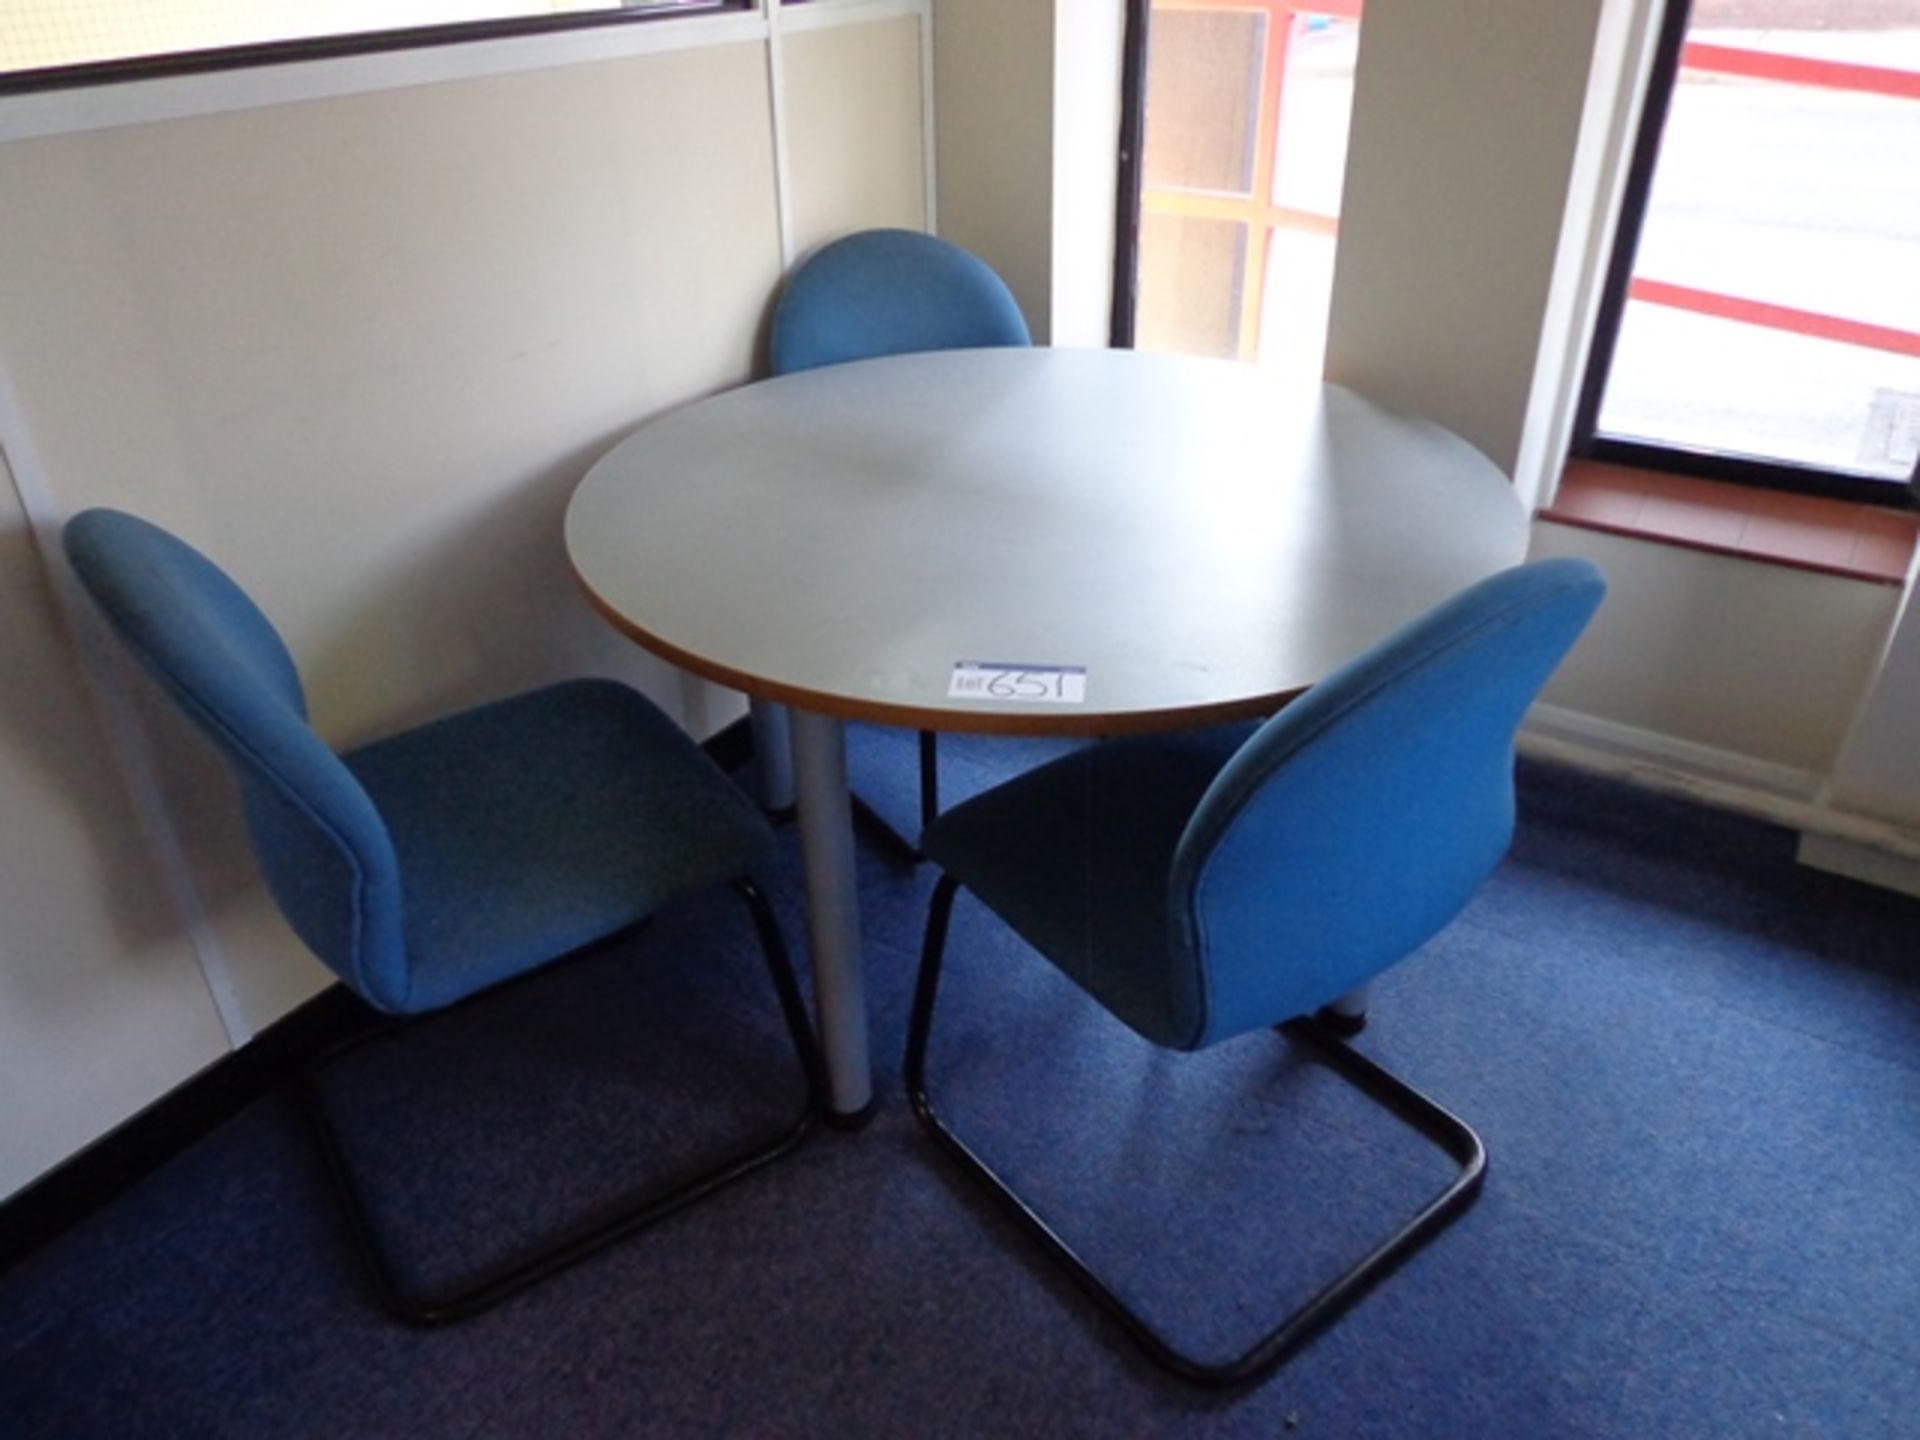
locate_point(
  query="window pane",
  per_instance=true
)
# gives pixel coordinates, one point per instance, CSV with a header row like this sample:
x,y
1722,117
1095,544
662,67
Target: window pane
x,y
1203,93
1190,294
1299,289
1775,310
42,34
1762,392
1316,107
1246,133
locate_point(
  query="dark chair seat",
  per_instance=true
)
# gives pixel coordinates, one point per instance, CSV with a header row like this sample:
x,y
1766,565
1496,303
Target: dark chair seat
x,y
1074,856
514,825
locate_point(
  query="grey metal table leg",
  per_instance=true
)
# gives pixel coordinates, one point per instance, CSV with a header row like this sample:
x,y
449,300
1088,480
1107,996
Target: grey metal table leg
x,y
833,910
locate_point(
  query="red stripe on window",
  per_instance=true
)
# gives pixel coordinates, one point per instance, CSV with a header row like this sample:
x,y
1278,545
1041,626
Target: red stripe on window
x,y
1801,70
1777,317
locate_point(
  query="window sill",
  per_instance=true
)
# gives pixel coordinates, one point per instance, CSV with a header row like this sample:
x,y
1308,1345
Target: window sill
x,y
1832,537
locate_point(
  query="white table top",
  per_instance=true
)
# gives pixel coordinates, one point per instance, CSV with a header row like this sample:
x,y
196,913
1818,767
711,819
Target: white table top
x,y
1205,545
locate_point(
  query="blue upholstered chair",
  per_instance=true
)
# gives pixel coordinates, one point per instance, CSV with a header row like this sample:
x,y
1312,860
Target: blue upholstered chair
x,y
430,866
1201,886
892,292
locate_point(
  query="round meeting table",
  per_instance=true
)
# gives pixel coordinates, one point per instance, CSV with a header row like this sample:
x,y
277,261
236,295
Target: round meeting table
x,y
1019,541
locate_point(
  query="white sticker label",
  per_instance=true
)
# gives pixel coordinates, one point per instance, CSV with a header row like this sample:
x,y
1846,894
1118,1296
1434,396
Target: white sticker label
x,y
1033,684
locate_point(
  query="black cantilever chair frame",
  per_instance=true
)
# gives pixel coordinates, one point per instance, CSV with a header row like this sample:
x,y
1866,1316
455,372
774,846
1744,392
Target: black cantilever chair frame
x,y
1418,1110
1206,886
635,1212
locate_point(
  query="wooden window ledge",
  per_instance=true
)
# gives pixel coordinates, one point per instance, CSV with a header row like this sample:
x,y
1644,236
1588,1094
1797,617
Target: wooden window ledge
x,y
1807,532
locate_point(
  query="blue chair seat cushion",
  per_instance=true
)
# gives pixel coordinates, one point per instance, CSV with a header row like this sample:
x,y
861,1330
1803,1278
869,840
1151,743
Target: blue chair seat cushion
x,y
530,827
1075,856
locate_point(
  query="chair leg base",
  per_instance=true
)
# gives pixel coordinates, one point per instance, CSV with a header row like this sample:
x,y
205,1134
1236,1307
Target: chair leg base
x,y
635,1213
929,779
553,1257
1424,1115
1343,1023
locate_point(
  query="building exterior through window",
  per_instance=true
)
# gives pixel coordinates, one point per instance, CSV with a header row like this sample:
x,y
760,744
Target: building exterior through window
x,y
1769,320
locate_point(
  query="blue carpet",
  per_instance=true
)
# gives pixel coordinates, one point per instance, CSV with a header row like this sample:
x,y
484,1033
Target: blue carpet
x,y
1696,1067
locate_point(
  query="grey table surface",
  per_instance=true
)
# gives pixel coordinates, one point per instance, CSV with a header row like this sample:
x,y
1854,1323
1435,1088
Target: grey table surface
x,y
1201,543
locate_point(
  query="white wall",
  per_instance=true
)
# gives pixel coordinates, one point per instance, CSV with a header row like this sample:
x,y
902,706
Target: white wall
x,y
1467,118
1028,100
1759,661
994,97
855,165
359,347
1877,773
102,1006
1090,39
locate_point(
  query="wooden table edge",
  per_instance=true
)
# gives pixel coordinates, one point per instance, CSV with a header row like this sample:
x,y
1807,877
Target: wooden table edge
x,y
941,718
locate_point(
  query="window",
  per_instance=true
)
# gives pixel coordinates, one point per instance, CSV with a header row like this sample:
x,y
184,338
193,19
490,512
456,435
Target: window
x,y
48,43
1762,315
1236,197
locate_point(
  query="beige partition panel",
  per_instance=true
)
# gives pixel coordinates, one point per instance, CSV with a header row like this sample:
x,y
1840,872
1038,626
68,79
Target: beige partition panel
x,y
359,349
994,93
101,1004
855,144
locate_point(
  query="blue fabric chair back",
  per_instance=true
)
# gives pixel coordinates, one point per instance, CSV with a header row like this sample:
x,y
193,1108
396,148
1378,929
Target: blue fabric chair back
x,y
891,292
1355,824
321,844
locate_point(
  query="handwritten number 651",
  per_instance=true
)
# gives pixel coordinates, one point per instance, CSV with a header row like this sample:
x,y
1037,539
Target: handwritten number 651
x,y
1019,685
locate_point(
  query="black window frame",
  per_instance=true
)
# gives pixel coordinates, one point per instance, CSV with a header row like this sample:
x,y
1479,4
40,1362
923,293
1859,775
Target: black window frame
x,y
1587,442
1130,177
366,42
